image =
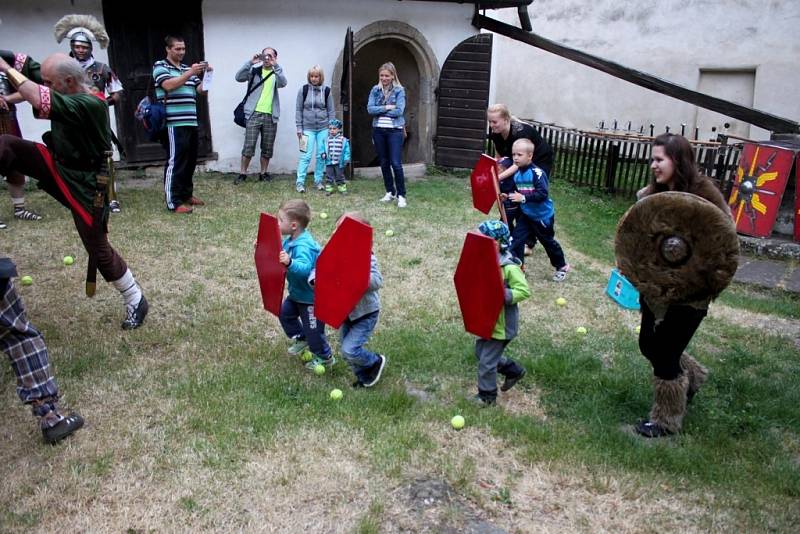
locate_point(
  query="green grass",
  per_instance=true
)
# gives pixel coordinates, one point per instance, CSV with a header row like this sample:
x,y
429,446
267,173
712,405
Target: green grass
x,y
211,377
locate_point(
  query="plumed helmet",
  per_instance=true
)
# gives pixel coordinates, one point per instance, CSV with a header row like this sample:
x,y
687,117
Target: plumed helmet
x,y
81,29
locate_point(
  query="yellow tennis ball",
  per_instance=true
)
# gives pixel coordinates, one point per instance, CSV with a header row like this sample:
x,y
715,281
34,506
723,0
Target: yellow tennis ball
x,y
336,394
389,233
69,260
561,301
581,330
638,328
457,422
26,280
306,356
319,369
323,215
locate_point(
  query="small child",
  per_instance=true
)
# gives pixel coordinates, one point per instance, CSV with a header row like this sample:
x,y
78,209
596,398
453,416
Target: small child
x,y
299,255
507,186
357,328
489,352
336,157
536,220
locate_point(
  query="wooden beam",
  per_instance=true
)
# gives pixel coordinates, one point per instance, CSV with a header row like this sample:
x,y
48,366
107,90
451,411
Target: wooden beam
x,y
752,116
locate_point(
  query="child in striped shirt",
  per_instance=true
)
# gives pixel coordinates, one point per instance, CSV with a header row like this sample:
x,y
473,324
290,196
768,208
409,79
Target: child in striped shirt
x,y
336,157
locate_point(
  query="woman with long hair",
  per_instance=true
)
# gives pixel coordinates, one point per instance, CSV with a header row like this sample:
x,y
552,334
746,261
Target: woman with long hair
x,y
386,104
666,331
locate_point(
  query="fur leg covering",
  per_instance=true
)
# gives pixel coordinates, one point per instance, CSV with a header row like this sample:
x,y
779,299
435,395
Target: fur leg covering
x,y
697,374
669,402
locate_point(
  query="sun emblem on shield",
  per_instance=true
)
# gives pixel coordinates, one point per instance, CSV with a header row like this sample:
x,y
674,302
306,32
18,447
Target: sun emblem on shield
x,y
748,187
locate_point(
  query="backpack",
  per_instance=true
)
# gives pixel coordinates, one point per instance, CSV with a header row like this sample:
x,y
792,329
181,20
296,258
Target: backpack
x,y
327,92
153,117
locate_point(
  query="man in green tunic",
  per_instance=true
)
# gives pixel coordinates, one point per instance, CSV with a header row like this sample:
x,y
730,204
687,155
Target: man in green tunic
x,y
70,166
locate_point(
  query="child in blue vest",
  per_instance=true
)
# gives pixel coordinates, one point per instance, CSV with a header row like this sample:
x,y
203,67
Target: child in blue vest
x,y
336,157
536,218
299,255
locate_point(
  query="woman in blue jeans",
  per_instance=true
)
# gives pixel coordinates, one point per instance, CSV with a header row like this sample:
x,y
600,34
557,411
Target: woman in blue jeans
x,y
386,104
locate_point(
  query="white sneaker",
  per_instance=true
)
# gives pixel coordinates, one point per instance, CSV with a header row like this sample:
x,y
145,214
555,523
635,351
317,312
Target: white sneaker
x,y
388,197
401,202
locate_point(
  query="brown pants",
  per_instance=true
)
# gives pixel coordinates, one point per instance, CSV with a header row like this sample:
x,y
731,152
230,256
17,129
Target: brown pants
x,y
19,157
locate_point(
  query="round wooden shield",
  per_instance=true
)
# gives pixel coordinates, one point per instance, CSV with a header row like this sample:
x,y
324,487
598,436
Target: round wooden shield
x,y
677,247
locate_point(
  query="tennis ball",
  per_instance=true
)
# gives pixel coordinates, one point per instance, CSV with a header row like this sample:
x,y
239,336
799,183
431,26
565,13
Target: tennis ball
x,y
69,260
319,369
581,330
306,356
323,215
26,280
457,422
389,233
336,394
638,328
561,301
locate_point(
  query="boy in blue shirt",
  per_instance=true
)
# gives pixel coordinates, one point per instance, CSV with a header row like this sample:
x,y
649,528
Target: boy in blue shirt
x,y
536,217
299,255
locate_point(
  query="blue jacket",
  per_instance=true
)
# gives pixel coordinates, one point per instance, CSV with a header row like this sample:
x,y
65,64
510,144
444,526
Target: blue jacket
x,y
304,251
531,181
376,105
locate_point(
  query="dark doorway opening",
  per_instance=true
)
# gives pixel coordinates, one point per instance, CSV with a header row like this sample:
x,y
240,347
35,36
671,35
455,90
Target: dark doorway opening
x,y
137,31
368,60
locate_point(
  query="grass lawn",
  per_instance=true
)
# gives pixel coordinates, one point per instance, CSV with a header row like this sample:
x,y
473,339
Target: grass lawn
x,y
201,421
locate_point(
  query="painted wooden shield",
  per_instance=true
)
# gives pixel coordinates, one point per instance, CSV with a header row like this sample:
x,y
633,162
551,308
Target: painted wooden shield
x,y
271,272
760,183
484,184
479,284
797,200
343,270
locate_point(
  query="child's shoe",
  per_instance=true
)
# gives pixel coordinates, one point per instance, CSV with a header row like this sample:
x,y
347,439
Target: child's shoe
x,y
297,347
511,381
561,274
329,189
373,374
482,402
343,189
318,360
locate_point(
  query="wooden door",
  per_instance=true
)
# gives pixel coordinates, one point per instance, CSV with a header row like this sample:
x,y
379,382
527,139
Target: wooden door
x,y
463,98
346,91
137,31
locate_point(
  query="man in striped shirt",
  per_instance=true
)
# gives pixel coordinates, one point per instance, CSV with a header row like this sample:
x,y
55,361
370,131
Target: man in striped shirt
x,y
179,84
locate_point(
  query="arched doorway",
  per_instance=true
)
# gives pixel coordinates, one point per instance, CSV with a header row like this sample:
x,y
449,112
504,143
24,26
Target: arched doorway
x,y
418,71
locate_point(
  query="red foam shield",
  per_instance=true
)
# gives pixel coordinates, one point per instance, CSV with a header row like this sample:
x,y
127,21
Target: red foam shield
x,y
343,270
760,183
483,180
479,284
271,272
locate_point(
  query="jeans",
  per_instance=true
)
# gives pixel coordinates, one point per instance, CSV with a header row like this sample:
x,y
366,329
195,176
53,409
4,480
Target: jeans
x,y
389,146
354,335
663,343
298,322
528,230
317,141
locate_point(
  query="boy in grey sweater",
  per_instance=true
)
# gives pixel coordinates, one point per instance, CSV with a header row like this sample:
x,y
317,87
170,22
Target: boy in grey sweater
x,y
357,328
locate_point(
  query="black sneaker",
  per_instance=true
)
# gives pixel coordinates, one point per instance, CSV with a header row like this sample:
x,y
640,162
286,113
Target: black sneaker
x,y
240,179
481,401
64,428
136,316
114,206
265,177
649,429
375,371
511,381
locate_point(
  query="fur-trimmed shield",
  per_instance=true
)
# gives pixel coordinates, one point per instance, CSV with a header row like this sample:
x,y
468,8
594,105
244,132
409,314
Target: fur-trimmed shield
x,y
484,184
479,284
342,271
676,248
271,272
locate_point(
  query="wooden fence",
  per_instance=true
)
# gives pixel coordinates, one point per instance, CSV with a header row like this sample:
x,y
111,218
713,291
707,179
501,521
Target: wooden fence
x,y
619,162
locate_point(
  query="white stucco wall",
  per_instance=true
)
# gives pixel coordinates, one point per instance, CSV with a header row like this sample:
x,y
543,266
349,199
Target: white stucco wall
x,y
672,39
304,32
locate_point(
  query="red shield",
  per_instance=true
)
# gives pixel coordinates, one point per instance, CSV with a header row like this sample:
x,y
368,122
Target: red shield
x,y
484,184
479,284
343,270
797,200
271,272
759,186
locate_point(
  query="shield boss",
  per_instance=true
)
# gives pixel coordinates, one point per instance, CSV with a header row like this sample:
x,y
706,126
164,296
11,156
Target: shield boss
x,y
677,247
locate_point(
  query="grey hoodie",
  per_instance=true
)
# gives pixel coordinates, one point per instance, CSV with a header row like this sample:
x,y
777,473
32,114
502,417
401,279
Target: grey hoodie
x,y
315,112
